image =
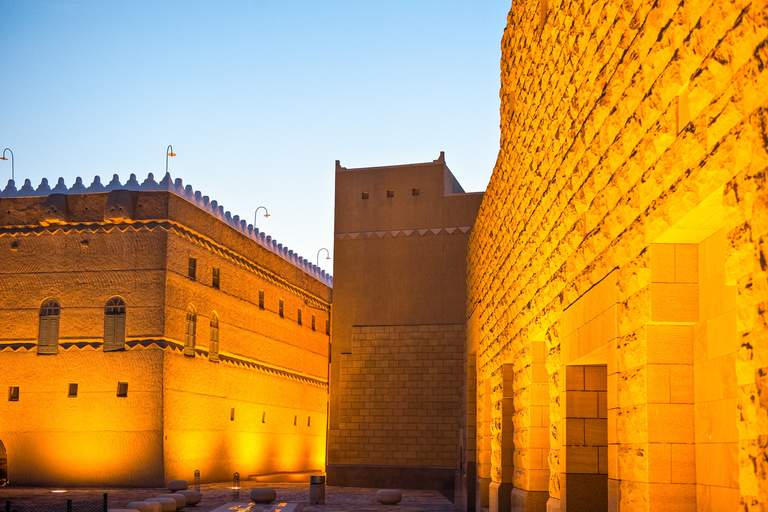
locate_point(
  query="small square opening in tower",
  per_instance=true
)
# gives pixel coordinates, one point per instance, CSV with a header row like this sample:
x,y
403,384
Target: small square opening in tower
x,y
390,193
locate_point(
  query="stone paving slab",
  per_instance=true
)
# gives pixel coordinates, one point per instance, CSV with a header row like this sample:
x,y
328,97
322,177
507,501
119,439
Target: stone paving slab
x,y
253,507
215,496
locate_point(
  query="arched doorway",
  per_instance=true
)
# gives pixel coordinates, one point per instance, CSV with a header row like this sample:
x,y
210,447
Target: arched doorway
x,y
3,465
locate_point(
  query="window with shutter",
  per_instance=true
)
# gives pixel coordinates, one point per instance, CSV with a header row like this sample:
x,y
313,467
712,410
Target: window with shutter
x,y
213,352
48,334
114,324
189,331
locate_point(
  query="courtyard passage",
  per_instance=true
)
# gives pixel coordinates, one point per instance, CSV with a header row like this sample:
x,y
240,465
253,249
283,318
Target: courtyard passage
x,y
294,496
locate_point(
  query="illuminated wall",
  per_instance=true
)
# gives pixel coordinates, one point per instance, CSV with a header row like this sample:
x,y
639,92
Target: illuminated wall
x,y
617,277
257,405
398,326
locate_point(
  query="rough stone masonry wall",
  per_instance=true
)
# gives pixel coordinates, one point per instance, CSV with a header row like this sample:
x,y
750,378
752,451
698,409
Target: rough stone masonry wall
x,y
617,118
398,382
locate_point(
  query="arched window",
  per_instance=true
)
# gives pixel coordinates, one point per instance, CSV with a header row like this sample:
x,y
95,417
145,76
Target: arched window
x,y
48,335
114,324
213,351
189,331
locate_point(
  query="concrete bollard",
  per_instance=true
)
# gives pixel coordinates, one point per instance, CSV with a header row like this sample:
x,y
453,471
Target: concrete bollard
x,y
317,490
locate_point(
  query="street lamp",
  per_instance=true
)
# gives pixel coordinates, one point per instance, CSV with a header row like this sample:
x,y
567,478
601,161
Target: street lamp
x,y
168,152
318,255
13,177
256,214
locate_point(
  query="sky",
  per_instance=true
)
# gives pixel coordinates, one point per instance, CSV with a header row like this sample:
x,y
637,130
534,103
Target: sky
x,y
258,98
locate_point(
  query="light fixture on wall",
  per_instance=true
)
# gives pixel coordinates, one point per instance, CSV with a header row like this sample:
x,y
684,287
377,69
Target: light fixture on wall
x,y
318,255
13,172
256,214
168,152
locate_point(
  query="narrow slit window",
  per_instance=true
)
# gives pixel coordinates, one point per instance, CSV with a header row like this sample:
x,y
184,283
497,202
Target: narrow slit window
x,y
264,417
72,390
309,420
298,318
261,299
295,419
232,414
281,309
328,327
192,268
215,278
122,389
13,393
313,322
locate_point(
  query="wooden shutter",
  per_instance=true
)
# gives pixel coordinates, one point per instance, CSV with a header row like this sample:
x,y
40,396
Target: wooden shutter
x,y
109,332
120,331
48,339
42,336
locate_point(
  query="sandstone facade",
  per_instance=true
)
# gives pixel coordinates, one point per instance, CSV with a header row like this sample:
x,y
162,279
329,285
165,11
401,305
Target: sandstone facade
x,y
398,325
617,296
211,369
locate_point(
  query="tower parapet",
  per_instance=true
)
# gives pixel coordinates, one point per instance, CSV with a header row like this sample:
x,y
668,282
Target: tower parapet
x,y
176,187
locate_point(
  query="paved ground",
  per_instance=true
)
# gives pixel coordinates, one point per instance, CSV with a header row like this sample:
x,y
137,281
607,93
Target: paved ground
x,y
294,496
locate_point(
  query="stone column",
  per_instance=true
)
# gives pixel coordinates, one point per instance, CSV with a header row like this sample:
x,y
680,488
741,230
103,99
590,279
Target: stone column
x,y
483,443
531,422
502,440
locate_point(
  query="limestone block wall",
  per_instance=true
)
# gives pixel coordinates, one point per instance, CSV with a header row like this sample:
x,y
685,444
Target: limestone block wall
x,y
633,138
398,383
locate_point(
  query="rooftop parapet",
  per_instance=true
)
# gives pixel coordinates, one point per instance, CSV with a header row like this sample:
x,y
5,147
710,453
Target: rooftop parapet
x,y
178,188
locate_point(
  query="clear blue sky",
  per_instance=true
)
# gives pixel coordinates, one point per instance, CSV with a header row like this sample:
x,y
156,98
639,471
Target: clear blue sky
x,y
257,98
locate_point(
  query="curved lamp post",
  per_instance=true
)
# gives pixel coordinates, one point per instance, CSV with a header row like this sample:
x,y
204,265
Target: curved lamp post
x,y
168,152
13,172
256,214
318,255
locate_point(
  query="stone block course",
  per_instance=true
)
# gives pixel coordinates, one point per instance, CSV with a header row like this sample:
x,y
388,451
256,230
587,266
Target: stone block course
x,y
632,138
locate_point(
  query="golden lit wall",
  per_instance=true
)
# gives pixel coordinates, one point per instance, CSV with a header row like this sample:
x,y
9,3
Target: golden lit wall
x,y
96,438
621,235
178,413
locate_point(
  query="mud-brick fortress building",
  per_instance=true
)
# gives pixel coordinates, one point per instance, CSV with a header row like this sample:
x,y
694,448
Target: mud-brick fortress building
x,y
590,334
146,334
617,291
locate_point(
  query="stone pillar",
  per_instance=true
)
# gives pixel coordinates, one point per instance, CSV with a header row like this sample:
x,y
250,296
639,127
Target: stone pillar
x,y
484,406
502,440
468,470
531,422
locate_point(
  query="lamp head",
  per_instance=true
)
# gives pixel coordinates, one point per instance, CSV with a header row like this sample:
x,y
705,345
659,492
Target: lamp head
x,y
267,215
171,154
3,158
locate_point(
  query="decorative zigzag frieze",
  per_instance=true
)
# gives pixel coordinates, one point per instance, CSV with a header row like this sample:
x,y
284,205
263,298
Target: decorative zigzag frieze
x,y
175,347
395,233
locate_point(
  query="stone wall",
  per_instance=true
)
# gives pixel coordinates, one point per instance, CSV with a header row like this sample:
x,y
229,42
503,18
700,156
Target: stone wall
x,y
400,382
631,132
